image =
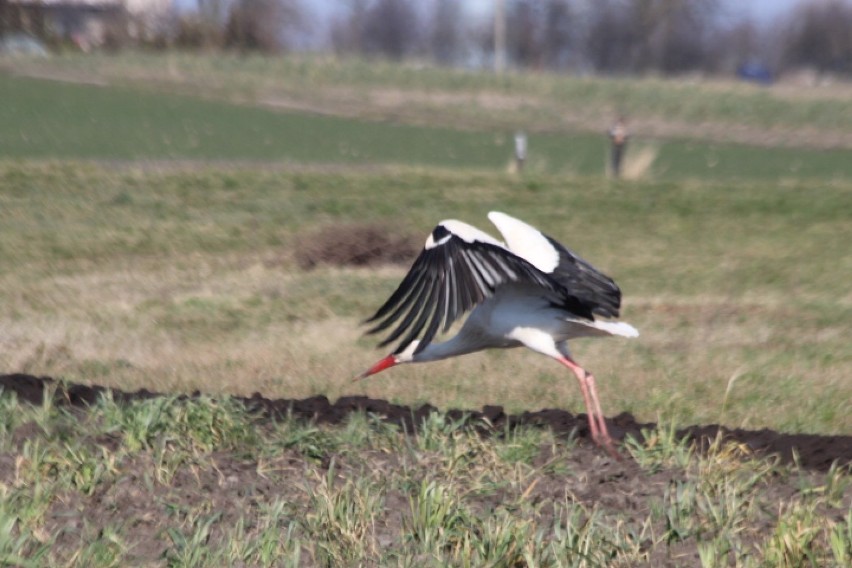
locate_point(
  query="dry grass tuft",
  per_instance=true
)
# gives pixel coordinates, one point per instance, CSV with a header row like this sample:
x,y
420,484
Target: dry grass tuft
x,y
639,161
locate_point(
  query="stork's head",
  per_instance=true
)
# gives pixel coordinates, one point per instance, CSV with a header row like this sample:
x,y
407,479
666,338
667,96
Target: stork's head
x,y
404,356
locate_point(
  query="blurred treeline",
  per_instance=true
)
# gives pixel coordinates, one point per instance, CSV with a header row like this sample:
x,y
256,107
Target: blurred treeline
x,y
578,36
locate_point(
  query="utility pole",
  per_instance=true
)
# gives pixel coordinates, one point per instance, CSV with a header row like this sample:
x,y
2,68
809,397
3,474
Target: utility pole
x,y
499,35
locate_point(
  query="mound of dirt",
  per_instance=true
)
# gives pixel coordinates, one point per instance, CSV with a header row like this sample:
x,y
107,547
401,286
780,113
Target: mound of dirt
x,y
811,451
360,244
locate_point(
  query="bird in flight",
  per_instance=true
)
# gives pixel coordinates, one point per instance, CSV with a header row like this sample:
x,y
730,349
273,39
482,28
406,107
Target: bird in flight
x,y
528,291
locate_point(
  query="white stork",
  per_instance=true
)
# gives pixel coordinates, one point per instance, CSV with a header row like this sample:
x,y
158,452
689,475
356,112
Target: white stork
x,y
529,291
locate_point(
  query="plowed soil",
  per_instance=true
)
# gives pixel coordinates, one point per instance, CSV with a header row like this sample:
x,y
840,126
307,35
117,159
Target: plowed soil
x,y
812,451
233,485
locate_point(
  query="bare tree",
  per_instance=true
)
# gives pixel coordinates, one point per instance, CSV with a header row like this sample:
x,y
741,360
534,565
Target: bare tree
x,y
640,35
386,27
212,13
347,29
819,35
613,37
673,33
741,43
560,33
4,17
391,28
540,32
524,33
204,28
261,25
446,32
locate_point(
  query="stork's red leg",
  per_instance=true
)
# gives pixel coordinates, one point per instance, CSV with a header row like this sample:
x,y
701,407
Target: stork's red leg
x,y
593,392
597,424
590,409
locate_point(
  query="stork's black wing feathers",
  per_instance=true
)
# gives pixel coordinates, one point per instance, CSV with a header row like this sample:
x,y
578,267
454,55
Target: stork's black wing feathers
x,y
594,289
448,279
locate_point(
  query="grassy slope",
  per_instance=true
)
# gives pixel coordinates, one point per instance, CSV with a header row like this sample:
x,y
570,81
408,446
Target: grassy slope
x,y
544,98
47,119
183,280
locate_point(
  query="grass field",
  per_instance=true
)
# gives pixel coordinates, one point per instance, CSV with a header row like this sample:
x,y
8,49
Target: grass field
x,y
434,95
49,119
201,482
184,280
147,239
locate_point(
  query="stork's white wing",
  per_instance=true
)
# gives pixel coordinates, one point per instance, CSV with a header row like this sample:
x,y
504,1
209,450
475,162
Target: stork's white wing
x,y
459,267
597,291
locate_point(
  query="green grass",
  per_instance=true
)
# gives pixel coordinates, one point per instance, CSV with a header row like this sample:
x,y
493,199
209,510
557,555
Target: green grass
x,y
186,280
199,492
165,262
679,159
44,119
48,119
544,97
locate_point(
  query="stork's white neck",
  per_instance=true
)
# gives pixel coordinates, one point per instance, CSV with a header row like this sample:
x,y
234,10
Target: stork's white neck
x,y
458,345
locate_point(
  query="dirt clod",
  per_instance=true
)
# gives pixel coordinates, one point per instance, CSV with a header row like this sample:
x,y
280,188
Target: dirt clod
x,y
810,451
359,244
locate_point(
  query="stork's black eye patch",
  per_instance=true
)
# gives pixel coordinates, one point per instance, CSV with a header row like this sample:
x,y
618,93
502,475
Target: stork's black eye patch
x,y
439,233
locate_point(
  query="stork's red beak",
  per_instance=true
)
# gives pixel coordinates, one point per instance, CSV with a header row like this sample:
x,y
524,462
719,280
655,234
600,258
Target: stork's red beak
x,y
383,364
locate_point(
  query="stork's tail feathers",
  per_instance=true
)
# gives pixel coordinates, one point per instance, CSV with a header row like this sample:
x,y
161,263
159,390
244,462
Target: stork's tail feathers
x,y
603,328
621,328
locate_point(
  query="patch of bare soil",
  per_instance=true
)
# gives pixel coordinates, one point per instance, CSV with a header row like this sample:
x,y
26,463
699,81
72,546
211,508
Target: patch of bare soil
x,y
810,451
355,244
232,484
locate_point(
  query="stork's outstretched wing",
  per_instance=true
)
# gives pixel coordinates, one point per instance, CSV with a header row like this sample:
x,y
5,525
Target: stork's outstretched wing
x,y
598,293
459,267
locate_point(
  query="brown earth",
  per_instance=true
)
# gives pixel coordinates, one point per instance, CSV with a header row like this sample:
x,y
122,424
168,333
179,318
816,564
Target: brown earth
x,y
231,486
810,451
355,244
